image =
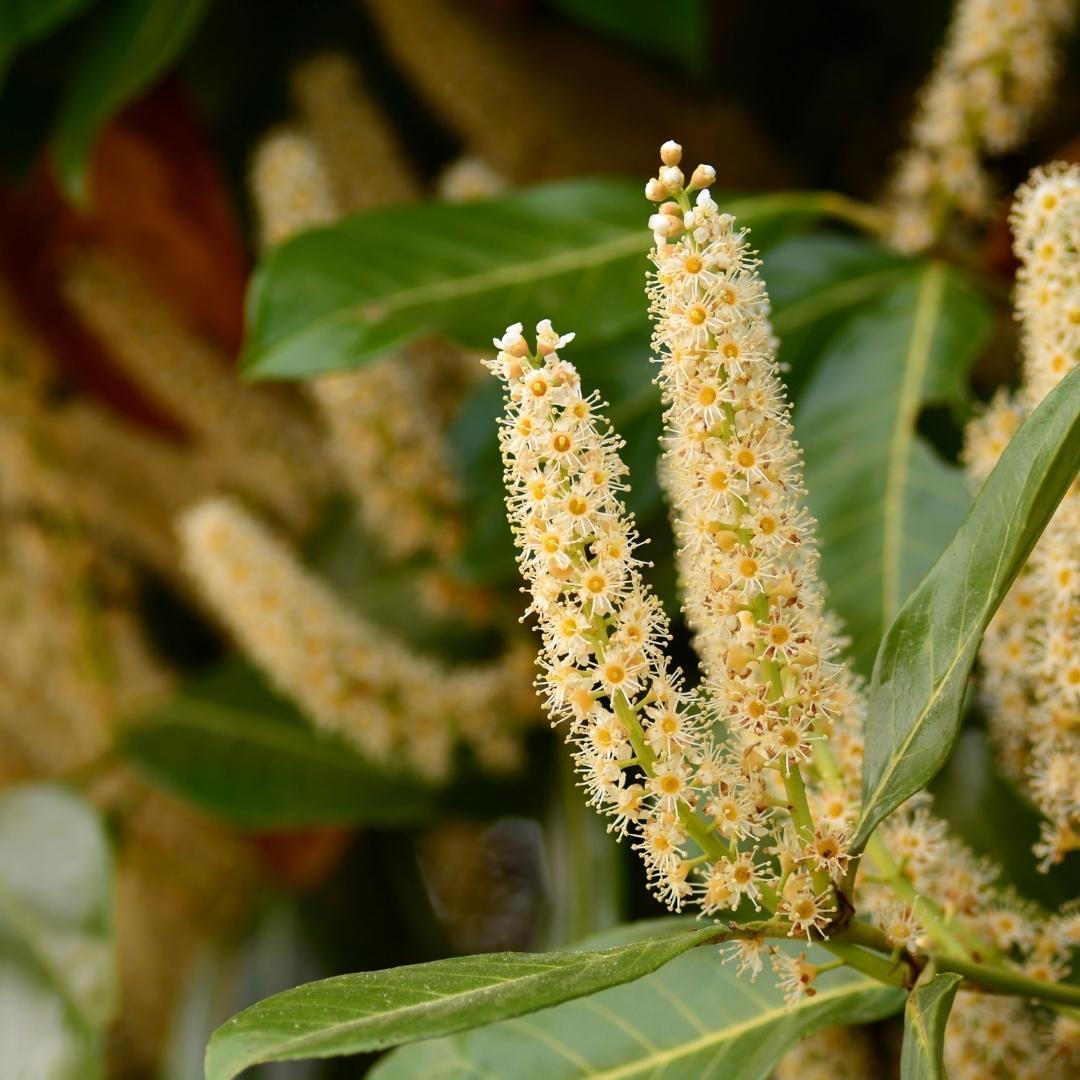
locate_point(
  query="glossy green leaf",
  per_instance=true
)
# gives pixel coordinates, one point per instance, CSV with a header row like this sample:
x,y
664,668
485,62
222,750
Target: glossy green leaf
x,y
886,504
58,983
925,1017
370,1010
922,666
239,752
815,282
682,35
573,251
695,1017
133,44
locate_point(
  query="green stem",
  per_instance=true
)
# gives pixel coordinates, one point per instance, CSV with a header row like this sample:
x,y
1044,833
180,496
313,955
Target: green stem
x,y
927,912
711,844
865,934
1006,981
883,969
800,808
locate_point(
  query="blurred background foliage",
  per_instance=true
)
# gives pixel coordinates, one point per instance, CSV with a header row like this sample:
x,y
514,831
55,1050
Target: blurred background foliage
x,y
221,848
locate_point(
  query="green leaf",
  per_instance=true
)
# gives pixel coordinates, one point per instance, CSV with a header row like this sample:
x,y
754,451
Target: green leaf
x,y
922,666
134,43
58,976
695,1017
815,282
681,35
573,251
26,21
925,1017
231,746
886,504
371,1010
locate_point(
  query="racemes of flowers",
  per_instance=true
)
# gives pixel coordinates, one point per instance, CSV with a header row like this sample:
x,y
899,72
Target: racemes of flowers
x,y
709,783
1031,651
992,80
739,794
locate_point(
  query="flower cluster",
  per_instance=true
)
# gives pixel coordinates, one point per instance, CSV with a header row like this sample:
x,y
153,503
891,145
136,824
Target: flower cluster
x,y
700,810
836,1053
991,80
71,509
928,891
739,793
386,426
74,657
249,438
290,185
345,672
1031,652
385,437
361,155
746,553
48,436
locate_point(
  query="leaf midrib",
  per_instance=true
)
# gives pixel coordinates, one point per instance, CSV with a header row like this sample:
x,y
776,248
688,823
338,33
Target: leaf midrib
x,y
916,363
915,729
715,1038
288,1048
607,251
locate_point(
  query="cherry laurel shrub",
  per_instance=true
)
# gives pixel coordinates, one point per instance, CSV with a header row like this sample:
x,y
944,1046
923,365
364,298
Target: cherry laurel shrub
x,y
779,798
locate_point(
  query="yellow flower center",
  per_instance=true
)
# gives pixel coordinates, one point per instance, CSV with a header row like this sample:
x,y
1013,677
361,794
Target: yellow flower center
x,y
615,673
595,583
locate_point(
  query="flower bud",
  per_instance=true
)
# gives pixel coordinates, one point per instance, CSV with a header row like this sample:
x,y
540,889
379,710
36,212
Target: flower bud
x,y
672,177
703,176
671,153
665,225
655,191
